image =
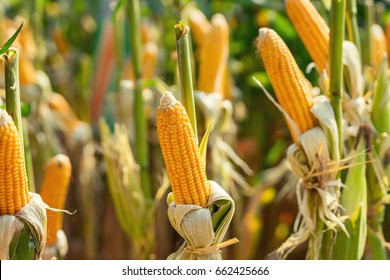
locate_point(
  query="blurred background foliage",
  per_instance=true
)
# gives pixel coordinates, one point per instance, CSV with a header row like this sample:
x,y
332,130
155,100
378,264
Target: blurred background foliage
x,y
69,35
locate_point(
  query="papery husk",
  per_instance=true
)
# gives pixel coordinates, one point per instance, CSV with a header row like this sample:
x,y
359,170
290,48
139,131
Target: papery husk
x,y
218,115
59,249
33,215
195,224
352,64
316,161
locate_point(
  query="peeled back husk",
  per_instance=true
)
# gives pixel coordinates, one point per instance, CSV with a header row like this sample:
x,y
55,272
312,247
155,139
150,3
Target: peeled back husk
x,y
203,229
32,216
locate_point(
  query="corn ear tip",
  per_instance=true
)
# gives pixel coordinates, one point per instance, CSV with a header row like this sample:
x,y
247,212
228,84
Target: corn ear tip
x,y
60,160
262,34
167,101
4,117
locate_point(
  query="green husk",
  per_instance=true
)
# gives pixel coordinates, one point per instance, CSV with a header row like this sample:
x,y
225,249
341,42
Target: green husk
x,y
380,112
354,202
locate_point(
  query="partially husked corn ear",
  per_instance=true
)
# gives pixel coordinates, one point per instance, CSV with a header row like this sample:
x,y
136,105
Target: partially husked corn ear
x,y
199,24
292,90
14,193
378,44
311,28
53,192
214,56
181,154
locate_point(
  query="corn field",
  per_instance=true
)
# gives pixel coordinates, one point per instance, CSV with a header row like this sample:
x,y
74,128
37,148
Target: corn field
x,y
195,130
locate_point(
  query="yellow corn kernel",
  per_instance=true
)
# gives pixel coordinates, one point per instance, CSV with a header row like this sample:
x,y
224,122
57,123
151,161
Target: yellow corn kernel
x,y
14,193
181,154
214,56
378,44
149,58
53,192
199,24
311,28
292,90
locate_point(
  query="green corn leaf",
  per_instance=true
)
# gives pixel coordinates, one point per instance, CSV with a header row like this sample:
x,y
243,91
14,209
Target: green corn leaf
x,y
354,201
381,100
8,44
221,208
203,144
375,243
22,246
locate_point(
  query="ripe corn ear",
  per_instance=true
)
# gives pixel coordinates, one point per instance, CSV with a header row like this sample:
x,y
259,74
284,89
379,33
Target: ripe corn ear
x,y
14,193
311,28
53,192
199,24
181,154
378,44
214,56
292,90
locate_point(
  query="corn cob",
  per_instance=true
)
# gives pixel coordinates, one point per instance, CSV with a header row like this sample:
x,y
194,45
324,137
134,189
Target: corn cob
x,y
14,193
213,56
311,28
53,192
378,44
199,24
292,90
181,155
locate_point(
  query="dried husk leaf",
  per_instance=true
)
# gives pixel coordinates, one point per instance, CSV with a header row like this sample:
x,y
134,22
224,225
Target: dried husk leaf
x,y
315,160
195,224
33,215
323,111
9,226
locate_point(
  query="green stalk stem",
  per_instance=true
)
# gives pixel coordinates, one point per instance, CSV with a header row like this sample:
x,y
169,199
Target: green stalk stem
x,y
141,139
12,103
337,23
12,89
184,60
368,19
352,25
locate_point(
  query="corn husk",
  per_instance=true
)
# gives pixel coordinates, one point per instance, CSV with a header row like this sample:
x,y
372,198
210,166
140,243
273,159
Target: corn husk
x,y
316,161
218,118
30,219
352,66
203,229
